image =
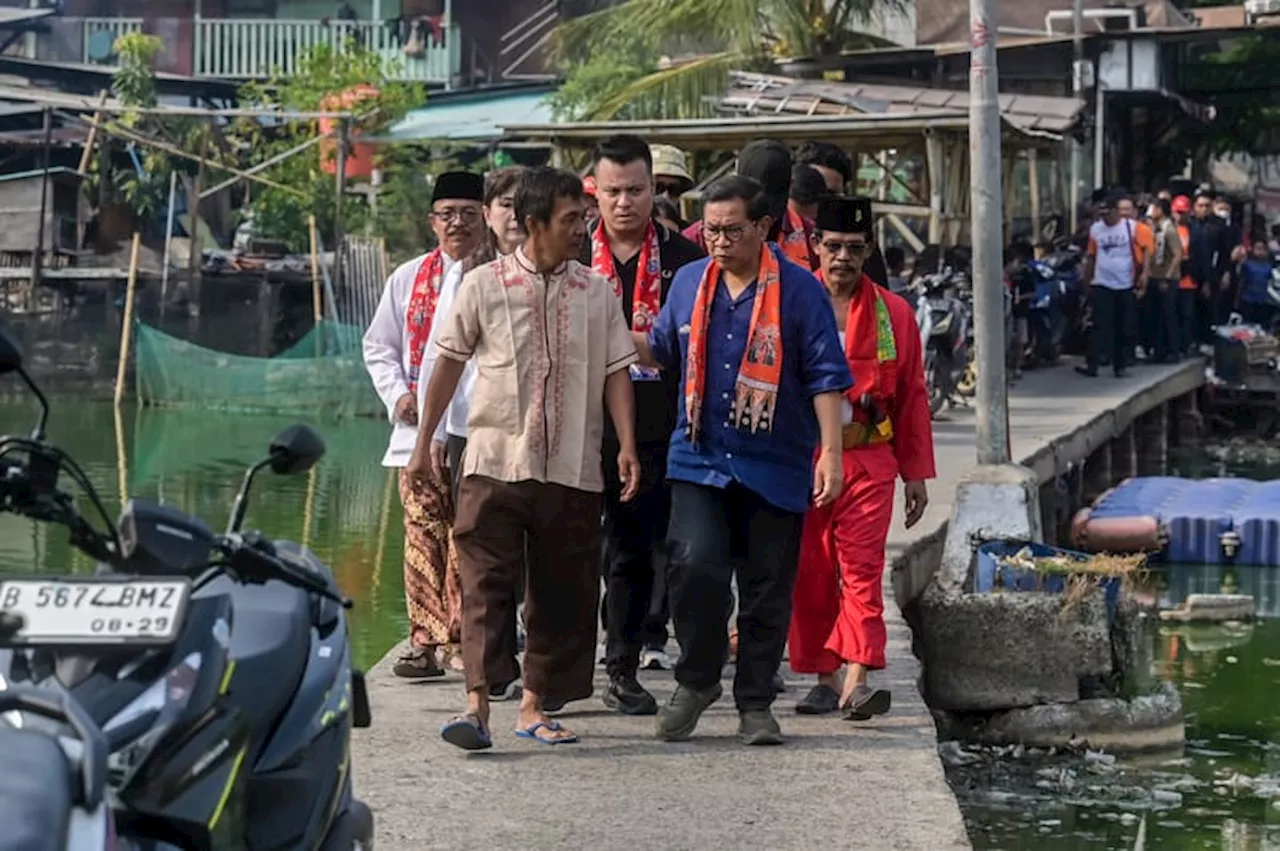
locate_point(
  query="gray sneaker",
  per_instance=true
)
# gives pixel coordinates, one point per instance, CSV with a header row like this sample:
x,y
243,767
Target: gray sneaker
x,y
759,727
677,720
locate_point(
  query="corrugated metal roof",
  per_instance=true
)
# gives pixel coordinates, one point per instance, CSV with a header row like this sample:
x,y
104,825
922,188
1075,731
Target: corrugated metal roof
x,y
478,119
763,94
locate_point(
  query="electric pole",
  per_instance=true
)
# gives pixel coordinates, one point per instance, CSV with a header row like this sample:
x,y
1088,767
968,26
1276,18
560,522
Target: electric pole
x,y
1077,89
985,203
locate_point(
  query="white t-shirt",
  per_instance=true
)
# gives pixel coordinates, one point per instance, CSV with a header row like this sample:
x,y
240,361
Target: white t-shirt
x,y
1113,250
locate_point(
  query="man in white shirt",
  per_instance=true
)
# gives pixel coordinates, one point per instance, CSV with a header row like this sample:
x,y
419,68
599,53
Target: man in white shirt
x,y
400,363
1115,265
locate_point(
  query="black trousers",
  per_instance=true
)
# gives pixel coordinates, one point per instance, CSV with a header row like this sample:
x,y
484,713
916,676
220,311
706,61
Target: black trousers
x,y
1188,330
1114,315
1160,307
635,601
714,532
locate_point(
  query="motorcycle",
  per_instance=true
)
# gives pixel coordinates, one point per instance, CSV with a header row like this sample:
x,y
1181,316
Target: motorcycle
x,y
945,350
1046,316
52,785
216,665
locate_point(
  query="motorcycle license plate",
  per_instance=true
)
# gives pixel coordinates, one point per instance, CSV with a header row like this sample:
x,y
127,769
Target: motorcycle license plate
x,y
95,611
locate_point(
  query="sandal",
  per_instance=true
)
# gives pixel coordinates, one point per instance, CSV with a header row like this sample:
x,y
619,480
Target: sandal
x,y
418,664
451,658
468,732
866,703
531,732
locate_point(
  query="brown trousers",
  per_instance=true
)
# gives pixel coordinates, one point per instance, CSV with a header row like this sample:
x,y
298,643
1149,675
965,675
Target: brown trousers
x,y
562,582
432,593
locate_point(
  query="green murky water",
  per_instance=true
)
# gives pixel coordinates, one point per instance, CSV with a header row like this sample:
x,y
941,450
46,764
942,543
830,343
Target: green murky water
x,y
346,509
1222,791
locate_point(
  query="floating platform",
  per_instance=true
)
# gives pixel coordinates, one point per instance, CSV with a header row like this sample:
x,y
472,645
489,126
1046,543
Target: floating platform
x,y
1185,521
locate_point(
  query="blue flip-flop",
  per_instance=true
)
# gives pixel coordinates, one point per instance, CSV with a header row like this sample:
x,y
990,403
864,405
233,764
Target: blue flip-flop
x,y
531,732
466,732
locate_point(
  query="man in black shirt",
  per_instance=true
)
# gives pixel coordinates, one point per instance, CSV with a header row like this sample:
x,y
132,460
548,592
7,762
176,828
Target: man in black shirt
x,y
640,256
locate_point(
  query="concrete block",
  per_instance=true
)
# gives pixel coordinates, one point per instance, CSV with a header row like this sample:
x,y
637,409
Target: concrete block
x,y
1149,722
1005,650
992,502
1212,608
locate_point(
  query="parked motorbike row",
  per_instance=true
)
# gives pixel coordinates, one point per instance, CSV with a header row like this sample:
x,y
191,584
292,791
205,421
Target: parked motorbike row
x,y
196,693
1044,293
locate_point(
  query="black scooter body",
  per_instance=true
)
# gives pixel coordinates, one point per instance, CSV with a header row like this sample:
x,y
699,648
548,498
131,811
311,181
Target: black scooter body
x,y
260,759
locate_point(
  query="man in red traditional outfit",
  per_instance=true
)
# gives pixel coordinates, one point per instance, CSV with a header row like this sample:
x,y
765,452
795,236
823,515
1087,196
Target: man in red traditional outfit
x,y
838,613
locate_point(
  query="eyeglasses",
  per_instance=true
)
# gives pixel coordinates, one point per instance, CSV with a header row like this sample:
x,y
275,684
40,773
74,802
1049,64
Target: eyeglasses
x,y
835,246
448,216
729,233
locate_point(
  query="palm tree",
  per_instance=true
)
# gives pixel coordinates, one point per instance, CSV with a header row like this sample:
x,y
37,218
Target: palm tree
x,y
671,58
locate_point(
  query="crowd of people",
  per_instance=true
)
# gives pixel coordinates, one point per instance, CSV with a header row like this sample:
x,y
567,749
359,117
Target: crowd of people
x,y
585,390
1162,271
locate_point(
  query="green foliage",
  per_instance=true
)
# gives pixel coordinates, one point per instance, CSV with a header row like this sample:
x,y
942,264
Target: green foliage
x,y
624,61
323,74
1247,116
135,85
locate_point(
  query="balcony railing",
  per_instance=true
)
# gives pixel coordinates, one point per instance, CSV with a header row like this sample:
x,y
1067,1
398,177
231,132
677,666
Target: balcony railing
x,y
248,49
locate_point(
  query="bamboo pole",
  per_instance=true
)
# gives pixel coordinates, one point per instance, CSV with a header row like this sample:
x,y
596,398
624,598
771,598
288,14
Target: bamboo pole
x,y
122,459
308,511
126,328
384,526
317,301
124,133
168,241
83,168
263,166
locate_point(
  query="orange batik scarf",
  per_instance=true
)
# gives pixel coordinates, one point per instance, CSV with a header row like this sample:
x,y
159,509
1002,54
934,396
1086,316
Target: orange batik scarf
x,y
756,393
794,241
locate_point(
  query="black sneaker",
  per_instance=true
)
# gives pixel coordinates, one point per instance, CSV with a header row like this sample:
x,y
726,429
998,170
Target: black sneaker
x,y
626,695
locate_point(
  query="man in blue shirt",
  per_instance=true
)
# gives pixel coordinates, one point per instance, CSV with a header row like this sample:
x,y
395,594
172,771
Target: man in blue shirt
x,y
762,371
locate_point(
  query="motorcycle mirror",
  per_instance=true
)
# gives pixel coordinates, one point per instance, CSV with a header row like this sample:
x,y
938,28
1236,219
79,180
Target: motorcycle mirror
x,y
296,450
10,353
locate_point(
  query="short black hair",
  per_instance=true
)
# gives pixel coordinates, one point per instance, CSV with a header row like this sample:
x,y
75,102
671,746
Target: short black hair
x,y
1165,205
828,155
894,258
737,187
537,193
622,149
807,185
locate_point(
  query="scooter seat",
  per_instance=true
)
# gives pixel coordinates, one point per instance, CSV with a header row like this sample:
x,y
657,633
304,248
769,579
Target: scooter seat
x,y
35,792
270,643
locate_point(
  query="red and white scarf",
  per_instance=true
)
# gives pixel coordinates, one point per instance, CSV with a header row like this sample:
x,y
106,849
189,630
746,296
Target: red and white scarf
x,y
421,312
646,299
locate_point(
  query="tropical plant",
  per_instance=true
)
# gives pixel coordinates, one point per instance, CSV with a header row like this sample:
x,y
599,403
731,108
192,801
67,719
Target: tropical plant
x,y
671,58
143,181
305,188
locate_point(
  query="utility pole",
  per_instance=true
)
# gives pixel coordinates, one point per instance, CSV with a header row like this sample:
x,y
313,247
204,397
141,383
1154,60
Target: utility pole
x,y
985,204
1077,89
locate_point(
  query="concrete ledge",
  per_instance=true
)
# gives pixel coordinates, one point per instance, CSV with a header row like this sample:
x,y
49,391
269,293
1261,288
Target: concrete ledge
x,y
1150,722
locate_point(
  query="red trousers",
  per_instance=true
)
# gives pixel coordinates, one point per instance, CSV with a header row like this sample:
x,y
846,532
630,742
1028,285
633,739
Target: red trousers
x,y
838,606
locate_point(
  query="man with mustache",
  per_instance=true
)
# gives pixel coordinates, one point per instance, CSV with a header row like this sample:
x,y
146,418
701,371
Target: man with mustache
x,y
400,363
639,257
838,613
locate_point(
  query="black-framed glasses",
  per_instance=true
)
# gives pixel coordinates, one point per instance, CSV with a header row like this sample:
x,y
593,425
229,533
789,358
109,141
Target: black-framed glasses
x,y
729,233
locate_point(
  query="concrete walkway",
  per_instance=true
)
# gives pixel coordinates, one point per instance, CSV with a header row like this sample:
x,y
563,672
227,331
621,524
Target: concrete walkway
x,y
836,784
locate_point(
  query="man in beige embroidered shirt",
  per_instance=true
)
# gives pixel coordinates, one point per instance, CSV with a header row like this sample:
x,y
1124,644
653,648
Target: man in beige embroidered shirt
x,y
552,350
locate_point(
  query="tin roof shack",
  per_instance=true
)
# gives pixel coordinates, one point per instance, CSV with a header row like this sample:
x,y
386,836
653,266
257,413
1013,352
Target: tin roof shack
x,y
66,212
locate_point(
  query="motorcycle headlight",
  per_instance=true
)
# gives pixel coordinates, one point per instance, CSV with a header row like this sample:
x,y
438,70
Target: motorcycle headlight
x,y
159,708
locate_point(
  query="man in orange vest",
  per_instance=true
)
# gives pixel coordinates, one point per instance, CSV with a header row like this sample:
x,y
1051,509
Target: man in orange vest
x,y
838,605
